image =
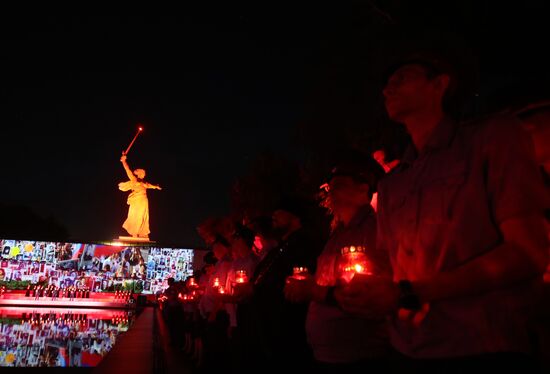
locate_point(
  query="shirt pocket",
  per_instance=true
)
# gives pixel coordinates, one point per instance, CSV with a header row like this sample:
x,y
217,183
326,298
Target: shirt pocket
x,y
438,195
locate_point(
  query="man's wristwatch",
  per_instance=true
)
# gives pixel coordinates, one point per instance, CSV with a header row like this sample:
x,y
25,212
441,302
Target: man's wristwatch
x,y
407,298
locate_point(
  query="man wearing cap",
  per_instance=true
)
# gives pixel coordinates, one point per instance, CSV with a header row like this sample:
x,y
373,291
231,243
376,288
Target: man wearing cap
x,y
462,220
277,327
340,341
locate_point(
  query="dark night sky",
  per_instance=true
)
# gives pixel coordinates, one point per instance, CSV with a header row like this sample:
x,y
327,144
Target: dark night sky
x,y
213,88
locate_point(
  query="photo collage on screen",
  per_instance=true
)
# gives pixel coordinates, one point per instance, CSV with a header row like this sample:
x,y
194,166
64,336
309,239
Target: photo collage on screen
x,y
60,338
98,267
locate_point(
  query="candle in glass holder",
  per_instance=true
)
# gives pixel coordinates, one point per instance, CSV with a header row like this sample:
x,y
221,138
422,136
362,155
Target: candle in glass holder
x,y
300,273
221,290
353,261
192,283
216,283
241,276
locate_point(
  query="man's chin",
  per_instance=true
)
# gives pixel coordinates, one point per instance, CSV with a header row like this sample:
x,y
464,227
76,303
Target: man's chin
x,y
396,115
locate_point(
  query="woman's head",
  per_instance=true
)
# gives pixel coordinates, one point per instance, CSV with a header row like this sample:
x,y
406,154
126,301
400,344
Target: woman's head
x,y
265,236
140,173
243,240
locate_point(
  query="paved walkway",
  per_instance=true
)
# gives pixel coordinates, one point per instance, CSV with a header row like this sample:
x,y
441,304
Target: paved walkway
x,y
134,350
145,349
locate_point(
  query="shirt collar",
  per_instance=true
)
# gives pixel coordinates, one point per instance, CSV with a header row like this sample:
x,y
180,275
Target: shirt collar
x,y
440,137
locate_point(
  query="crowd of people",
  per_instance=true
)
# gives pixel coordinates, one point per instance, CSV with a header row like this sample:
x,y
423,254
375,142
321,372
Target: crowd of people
x,y
445,275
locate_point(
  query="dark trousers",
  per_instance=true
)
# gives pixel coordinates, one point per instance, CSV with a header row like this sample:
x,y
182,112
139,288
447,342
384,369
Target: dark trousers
x,y
216,346
173,316
505,362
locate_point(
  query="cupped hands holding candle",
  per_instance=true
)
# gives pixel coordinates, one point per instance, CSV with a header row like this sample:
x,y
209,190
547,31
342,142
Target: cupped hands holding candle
x,y
301,287
216,283
353,260
299,290
242,291
241,276
191,283
240,287
368,296
299,273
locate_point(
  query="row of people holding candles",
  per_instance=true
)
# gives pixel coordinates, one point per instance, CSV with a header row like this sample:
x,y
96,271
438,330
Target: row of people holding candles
x,y
352,260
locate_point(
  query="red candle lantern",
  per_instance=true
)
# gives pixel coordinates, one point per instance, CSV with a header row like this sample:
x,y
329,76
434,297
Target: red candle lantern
x,y
353,261
241,276
192,283
217,286
216,283
300,273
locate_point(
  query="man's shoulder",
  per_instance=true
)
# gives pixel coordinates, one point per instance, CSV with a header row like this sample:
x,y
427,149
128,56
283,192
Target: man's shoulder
x,y
394,176
490,128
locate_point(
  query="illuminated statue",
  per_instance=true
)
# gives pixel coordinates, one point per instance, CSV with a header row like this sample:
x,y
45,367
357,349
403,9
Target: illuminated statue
x,y
137,223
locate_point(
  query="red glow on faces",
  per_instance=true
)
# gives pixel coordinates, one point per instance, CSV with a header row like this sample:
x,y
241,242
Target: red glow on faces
x,y
258,243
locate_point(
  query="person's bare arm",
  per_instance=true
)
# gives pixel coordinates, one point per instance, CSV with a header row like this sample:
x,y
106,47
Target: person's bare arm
x,y
304,290
522,256
517,199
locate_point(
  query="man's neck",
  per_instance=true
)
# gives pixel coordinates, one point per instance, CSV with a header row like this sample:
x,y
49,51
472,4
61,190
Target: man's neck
x,y
345,219
422,125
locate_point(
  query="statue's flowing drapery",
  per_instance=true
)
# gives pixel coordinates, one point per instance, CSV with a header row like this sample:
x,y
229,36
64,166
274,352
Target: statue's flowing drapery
x,y
137,222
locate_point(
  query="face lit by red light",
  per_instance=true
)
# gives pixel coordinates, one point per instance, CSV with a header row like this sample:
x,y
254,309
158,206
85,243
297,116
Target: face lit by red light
x,y
409,90
282,220
220,250
258,243
346,195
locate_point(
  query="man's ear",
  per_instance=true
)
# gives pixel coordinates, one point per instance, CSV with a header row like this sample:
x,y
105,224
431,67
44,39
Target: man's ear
x,y
442,82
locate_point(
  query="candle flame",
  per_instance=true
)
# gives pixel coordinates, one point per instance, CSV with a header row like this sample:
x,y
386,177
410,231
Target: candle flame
x,y
216,282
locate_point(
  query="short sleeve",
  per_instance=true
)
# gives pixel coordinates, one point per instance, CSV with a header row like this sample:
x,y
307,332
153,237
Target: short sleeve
x,y
513,179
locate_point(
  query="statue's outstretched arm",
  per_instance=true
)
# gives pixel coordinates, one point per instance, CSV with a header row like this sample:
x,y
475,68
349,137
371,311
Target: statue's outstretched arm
x,y
153,186
129,173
